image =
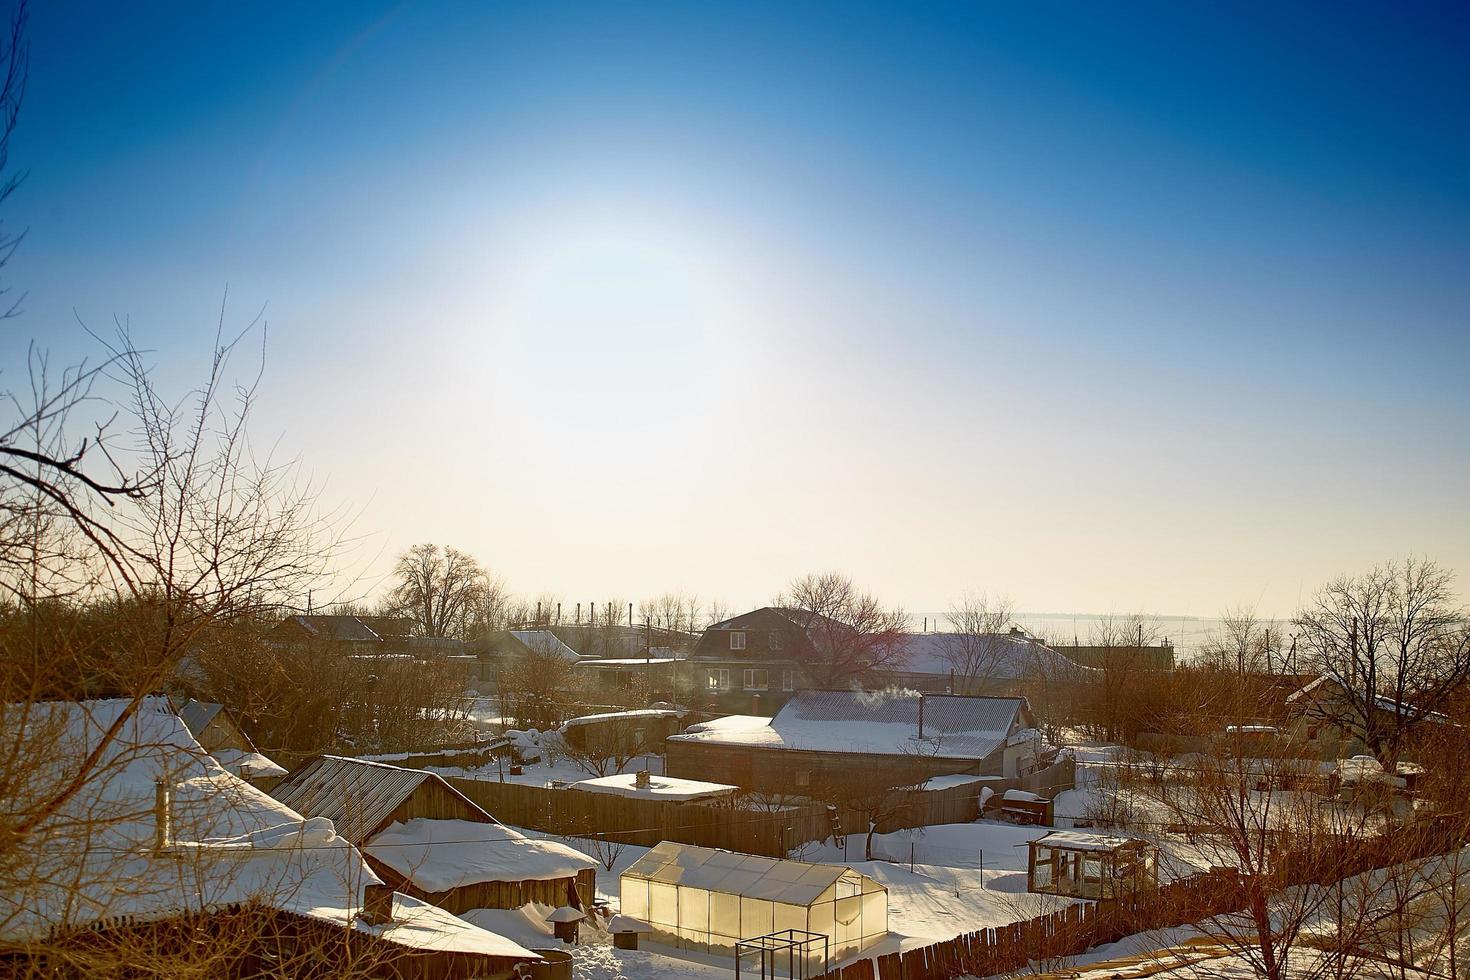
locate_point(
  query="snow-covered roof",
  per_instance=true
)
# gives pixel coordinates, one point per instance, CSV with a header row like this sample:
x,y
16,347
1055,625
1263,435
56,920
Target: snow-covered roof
x,y
635,714
247,765
1311,689
94,860
437,855
658,788
1076,840
949,782
544,642
747,875
626,662
872,723
1002,656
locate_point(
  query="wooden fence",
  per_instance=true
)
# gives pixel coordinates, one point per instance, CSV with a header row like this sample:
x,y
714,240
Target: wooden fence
x,y
628,820
1050,938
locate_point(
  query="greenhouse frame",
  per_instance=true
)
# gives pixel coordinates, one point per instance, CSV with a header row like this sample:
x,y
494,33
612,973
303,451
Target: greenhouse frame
x,y
710,900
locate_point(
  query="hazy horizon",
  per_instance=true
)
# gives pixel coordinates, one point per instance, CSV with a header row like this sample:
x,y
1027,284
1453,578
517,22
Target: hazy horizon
x,y
1139,307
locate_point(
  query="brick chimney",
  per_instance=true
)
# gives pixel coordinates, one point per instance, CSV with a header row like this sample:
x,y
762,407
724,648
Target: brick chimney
x,y
643,779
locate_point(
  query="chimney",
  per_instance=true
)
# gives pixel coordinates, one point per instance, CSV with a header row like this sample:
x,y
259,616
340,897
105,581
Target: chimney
x,y
643,778
377,904
163,804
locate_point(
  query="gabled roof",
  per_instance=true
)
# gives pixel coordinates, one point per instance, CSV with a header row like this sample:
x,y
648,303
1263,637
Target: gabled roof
x,y
775,617
873,723
198,714
747,875
1006,656
438,855
356,795
544,642
1326,686
347,629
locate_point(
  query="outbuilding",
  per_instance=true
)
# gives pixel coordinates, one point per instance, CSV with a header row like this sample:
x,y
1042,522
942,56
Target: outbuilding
x,y
1097,866
428,839
706,899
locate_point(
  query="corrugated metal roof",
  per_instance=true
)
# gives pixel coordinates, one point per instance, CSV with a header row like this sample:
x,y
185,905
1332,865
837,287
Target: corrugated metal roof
x,y
357,796
198,714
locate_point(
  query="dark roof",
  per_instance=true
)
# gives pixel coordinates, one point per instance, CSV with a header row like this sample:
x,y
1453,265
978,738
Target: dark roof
x,y
773,617
198,714
356,795
348,629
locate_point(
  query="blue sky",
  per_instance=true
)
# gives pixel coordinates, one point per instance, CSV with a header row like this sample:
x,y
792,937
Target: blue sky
x,y
1103,306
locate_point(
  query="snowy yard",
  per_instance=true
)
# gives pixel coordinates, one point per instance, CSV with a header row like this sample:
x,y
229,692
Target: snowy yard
x,y
946,894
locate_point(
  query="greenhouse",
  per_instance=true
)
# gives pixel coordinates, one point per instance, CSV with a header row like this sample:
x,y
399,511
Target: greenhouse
x,y
705,899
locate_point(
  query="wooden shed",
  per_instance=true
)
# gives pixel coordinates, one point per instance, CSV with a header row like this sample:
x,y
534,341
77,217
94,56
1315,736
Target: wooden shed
x,y
1098,866
429,840
217,732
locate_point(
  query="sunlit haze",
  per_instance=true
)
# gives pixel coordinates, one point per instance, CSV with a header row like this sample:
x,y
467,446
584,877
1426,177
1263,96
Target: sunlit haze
x,y
1155,307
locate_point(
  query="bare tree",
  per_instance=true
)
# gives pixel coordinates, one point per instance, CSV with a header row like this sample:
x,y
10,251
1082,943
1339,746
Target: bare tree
x,y
1242,643
853,636
1394,647
979,647
445,591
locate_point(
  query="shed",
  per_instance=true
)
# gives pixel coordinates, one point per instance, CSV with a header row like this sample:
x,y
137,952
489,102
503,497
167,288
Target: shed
x,y
1099,866
217,732
428,839
706,899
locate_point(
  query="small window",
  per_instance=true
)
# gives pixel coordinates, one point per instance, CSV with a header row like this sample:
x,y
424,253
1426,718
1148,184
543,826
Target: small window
x,y
756,680
737,640
788,680
775,639
803,777
719,679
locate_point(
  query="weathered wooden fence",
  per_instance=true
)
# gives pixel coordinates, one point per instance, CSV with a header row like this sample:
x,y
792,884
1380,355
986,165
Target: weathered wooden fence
x,y
1050,938
646,822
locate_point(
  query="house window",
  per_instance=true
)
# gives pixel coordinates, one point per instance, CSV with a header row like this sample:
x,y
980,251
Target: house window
x,y
719,679
788,680
756,680
775,639
737,640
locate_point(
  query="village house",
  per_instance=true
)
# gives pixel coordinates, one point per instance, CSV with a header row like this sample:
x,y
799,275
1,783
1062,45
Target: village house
x,y
161,846
427,839
385,636
997,664
819,736
750,663
1323,718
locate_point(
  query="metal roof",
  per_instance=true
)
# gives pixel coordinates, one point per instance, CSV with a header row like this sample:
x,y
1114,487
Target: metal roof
x,y
356,795
198,714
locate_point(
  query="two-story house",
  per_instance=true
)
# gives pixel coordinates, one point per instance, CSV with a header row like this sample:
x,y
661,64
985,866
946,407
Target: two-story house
x,y
751,663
